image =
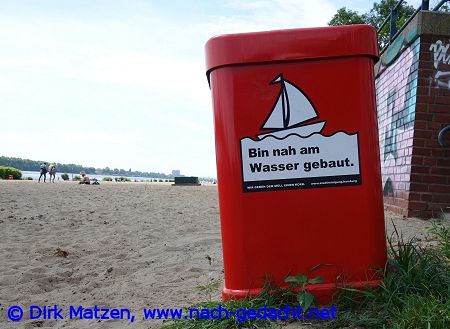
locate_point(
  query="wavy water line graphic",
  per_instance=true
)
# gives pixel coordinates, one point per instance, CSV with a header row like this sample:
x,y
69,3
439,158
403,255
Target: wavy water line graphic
x,y
302,137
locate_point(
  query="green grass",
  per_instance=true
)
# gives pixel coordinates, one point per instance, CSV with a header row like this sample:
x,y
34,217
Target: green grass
x,y
268,297
442,232
415,293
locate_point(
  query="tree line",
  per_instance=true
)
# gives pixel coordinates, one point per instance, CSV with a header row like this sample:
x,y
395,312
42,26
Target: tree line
x,y
378,14
375,17
33,165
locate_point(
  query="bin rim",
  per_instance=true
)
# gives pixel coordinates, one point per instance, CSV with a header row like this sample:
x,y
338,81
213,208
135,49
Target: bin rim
x,y
288,45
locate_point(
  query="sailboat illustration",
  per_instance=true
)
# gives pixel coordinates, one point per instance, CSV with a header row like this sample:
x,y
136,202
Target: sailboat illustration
x,y
292,152
291,108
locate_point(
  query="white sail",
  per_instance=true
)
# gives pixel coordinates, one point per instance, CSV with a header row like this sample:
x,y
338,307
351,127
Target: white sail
x,y
276,118
300,107
291,108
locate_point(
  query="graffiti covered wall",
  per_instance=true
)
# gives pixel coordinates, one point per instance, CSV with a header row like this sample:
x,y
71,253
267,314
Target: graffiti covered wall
x,y
396,89
413,104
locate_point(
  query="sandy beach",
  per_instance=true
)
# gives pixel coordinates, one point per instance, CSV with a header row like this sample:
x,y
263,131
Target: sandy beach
x,y
128,245
132,245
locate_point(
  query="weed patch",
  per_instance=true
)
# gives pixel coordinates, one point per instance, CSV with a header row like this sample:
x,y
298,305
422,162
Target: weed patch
x,y
415,292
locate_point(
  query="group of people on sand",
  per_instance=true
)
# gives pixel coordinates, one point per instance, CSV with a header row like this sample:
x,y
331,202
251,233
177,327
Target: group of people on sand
x,y
51,169
44,169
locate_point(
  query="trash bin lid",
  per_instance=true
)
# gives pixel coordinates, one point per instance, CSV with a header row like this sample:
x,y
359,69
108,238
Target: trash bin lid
x,y
292,44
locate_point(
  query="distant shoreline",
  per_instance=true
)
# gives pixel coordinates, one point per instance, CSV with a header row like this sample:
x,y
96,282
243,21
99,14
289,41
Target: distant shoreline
x,y
35,175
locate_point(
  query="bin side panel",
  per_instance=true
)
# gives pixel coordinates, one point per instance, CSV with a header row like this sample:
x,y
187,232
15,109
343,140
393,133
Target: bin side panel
x,y
285,232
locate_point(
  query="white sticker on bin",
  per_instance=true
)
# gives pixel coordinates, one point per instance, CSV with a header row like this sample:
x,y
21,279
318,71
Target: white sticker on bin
x,y
295,156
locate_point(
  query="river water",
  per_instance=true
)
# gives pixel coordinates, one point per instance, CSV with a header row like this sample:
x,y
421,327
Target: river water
x,y
35,175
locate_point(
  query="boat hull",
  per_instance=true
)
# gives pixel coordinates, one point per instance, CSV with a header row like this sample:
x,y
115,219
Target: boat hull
x,y
303,131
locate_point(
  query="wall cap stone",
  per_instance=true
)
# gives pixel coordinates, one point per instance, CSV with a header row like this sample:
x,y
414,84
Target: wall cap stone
x,y
424,23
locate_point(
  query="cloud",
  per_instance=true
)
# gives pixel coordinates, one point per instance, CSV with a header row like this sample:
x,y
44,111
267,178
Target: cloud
x,y
260,15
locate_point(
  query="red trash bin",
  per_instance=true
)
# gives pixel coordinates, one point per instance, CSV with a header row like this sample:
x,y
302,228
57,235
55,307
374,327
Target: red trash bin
x,y
297,157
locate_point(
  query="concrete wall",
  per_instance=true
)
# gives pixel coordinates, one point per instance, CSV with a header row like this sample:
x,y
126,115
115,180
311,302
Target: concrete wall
x,y
413,103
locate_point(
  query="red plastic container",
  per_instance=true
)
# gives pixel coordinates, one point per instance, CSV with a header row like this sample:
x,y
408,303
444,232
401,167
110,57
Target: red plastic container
x,y
297,157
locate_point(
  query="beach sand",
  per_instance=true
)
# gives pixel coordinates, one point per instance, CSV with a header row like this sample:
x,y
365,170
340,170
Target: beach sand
x,y
128,245
131,245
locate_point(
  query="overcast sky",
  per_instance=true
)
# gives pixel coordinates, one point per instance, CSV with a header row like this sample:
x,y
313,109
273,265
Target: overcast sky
x,y
121,83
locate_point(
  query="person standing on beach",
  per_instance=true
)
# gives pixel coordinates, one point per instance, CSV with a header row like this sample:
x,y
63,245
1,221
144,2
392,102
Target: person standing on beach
x,y
43,171
52,172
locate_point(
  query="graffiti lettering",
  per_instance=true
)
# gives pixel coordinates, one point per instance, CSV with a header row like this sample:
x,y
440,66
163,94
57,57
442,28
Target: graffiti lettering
x,y
442,79
396,101
390,135
441,55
